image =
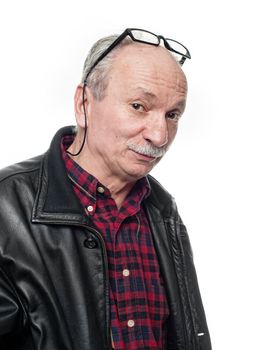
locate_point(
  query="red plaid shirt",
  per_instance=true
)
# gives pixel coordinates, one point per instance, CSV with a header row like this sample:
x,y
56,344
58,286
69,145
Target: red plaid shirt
x,y
138,306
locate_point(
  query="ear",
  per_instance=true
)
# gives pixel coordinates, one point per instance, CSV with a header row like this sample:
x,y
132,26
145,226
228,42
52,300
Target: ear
x,y
81,99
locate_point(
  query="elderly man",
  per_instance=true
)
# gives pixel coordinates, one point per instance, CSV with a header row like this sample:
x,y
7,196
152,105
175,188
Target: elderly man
x,y
93,253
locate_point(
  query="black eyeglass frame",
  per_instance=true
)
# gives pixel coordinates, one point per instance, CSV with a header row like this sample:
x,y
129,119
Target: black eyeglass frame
x,y
128,32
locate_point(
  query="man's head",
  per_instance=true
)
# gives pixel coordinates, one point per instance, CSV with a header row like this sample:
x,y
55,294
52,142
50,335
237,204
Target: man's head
x,y
133,100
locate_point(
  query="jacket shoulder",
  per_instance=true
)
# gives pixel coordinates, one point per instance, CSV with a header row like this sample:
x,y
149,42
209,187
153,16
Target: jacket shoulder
x,y
22,168
161,198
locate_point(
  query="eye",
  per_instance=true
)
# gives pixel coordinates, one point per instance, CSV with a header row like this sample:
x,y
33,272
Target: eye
x,y
137,106
173,115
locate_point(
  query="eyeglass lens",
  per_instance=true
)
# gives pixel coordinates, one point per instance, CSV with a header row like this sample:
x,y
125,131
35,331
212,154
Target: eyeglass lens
x,y
142,35
177,46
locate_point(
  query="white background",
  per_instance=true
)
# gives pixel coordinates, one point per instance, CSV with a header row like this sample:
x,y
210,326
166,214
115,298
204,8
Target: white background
x,y
214,169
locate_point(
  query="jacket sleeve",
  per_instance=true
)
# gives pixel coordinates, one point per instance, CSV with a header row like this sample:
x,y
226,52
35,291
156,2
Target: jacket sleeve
x,y
11,313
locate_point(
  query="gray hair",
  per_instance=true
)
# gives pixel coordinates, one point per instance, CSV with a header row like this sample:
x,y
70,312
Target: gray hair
x,y
97,80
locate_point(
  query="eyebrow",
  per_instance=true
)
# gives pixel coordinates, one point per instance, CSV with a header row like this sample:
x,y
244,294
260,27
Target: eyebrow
x,y
146,93
180,104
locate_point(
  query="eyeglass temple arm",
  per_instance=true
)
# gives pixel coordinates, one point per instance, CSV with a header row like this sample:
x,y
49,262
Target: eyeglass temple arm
x,y
166,44
105,53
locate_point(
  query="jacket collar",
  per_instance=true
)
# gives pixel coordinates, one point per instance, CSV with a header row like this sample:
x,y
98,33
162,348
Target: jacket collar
x,y
56,202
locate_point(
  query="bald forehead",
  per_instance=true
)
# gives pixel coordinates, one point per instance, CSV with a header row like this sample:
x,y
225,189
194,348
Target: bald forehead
x,y
158,61
147,52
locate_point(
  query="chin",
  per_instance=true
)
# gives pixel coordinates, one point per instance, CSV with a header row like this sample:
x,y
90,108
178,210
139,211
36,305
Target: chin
x,y
137,173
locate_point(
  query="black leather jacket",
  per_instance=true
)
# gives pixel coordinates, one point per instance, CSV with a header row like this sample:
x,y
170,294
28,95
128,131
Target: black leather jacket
x,y
54,292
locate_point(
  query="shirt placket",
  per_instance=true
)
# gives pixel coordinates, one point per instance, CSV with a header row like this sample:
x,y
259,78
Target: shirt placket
x,y
125,271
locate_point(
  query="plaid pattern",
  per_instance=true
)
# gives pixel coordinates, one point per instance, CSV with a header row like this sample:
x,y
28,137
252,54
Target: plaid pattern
x,y
138,305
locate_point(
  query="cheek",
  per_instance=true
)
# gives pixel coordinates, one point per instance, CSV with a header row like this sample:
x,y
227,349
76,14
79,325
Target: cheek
x,y
172,131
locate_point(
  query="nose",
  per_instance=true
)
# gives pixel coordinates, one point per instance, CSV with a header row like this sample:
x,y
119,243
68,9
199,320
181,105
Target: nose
x,y
156,131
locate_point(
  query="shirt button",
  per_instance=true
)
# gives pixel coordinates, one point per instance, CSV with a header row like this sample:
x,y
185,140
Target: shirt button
x,y
90,208
130,323
100,189
126,272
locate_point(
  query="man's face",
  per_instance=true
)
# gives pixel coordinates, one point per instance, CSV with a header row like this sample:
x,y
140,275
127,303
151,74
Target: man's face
x,y
130,129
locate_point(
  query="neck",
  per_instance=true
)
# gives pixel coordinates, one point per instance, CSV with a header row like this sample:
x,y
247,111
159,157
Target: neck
x,y
119,191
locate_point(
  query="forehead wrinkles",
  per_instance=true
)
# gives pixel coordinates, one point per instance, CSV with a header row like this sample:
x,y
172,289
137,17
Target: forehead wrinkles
x,y
165,88
173,81
150,66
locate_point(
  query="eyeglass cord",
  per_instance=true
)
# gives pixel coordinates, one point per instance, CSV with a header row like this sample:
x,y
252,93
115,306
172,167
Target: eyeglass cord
x,y
85,127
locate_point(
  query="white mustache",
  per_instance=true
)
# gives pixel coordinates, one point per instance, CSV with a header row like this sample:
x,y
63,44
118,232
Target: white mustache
x,y
148,150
